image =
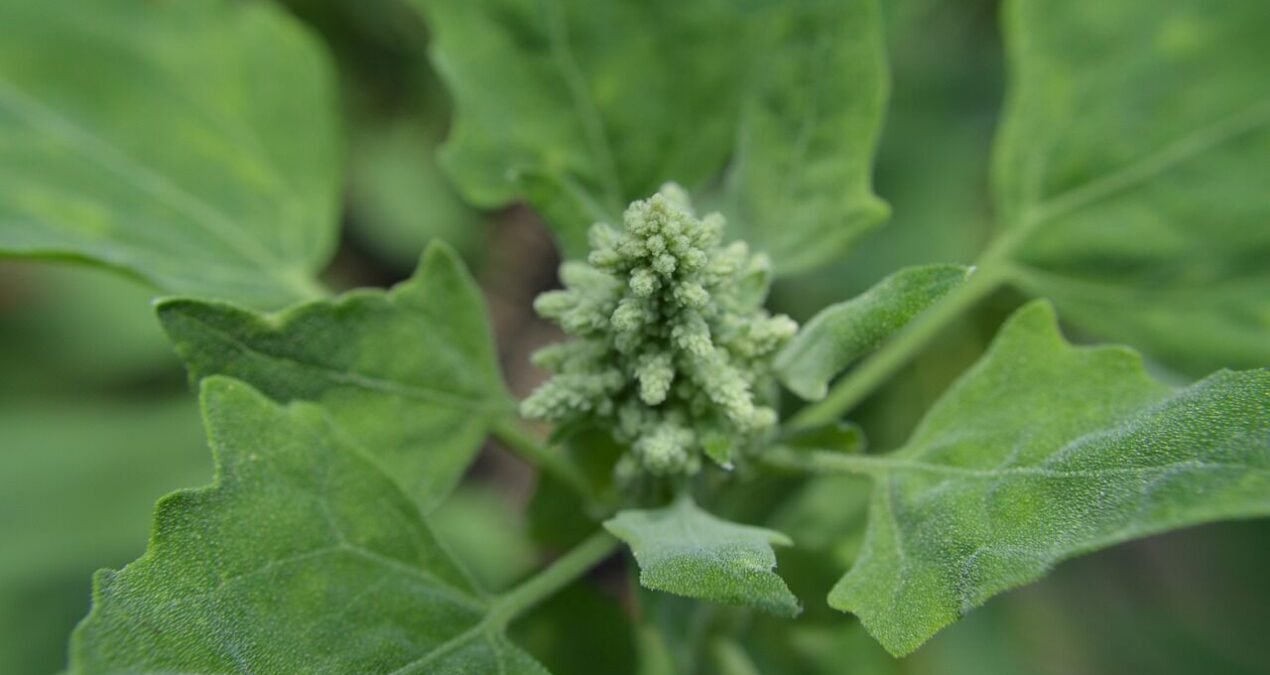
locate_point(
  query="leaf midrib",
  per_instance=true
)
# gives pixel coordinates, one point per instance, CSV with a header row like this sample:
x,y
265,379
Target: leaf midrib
x,y
1179,151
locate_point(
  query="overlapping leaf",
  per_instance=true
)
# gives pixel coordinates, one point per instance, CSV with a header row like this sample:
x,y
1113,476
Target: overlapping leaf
x,y
686,551
800,187
303,556
1042,452
411,373
581,107
844,332
1131,167
191,144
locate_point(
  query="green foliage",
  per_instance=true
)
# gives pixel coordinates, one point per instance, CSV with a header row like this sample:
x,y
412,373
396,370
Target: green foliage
x,y
989,493
410,373
844,332
1130,166
582,107
78,480
356,525
155,139
302,556
686,551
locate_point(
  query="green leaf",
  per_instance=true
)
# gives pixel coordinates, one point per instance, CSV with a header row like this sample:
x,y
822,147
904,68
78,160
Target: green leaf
x,y
481,528
1129,172
686,551
1042,452
800,187
844,332
410,373
400,200
191,144
78,480
581,107
303,556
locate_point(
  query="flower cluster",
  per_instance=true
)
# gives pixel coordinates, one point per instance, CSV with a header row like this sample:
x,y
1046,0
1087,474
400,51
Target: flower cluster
x,y
671,342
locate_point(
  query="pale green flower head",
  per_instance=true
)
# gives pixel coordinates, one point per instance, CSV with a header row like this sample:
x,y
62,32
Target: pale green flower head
x,y
670,340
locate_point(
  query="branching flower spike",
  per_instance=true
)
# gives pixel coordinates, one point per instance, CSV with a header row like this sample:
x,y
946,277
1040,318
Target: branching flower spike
x,y
671,344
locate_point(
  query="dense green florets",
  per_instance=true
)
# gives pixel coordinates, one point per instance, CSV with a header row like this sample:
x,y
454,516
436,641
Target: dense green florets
x,y
671,340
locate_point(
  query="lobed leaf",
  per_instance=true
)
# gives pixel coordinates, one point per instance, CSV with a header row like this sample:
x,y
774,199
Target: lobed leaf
x,y
800,184
191,144
1041,452
581,107
411,373
844,332
686,551
303,556
1129,172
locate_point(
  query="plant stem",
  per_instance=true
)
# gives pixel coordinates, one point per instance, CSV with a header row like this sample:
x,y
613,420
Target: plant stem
x,y
824,462
879,367
561,573
510,433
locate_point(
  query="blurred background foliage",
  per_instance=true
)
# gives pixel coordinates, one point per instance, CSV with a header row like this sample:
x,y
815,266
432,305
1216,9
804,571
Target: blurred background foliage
x,y
98,420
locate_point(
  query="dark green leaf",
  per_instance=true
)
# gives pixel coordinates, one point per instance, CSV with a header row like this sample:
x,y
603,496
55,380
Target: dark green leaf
x,y
410,373
303,556
581,107
1130,171
686,551
1039,453
844,332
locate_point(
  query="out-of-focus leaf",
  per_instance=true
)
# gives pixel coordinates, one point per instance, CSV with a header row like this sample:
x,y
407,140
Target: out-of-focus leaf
x,y
302,556
580,631
1039,453
189,144
686,551
801,184
818,649
840,436
69,329
78,480
399,198
1130,172
485,535
844,332
581,107
411,372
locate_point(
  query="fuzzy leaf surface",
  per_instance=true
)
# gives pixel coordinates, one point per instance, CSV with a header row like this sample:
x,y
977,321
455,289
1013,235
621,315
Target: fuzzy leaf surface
x,y
302,556
1042,452
410,373
1131,167
191,144
844,332
684,550
800,187
580,107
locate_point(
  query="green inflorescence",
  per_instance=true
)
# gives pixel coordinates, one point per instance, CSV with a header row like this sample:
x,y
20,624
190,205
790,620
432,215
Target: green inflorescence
x,y
671,342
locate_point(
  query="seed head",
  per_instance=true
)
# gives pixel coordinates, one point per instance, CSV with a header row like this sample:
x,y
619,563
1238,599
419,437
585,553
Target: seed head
x,y
670,340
